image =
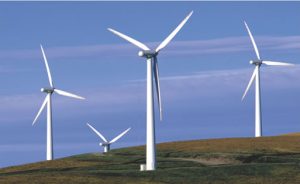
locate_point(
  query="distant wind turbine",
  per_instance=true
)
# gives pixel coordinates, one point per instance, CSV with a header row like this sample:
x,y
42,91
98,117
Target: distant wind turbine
x,y
47,101
106,144
256,74
152,69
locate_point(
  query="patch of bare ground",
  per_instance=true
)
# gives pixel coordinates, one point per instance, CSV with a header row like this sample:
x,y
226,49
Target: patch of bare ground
x,y
211,161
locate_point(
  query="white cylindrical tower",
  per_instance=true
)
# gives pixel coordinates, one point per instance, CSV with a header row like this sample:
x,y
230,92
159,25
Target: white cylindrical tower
x,y
106,148
258,119
150,147
49,129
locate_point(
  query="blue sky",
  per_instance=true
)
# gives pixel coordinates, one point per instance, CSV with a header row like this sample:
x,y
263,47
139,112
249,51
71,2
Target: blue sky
x,y
204,72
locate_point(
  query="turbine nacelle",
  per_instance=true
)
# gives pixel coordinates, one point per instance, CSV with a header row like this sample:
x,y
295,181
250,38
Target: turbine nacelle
x,y
47,90
256,62
104,144
147,53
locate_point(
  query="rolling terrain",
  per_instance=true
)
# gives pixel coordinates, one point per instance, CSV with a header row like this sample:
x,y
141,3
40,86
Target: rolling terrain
x,y
267,160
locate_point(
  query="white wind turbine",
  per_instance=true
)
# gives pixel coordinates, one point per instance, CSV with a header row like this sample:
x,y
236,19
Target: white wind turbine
x,y
106,144
47,101
256,74
152,69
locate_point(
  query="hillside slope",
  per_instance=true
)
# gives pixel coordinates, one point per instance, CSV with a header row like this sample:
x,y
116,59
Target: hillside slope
x,y
236,160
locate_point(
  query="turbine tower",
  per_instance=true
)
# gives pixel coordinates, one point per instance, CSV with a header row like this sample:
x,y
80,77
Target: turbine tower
x,y
256,75
152,70
48,101
106,144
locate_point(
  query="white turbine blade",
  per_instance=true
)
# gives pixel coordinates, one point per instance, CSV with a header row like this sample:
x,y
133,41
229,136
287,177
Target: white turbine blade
x,y
64,93
41,109
98,133
131,40
119,136
172,35
250,82
156,76
276,63
47,67
253,41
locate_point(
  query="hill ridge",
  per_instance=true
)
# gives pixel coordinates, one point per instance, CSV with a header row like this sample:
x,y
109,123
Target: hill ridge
x,y
274,159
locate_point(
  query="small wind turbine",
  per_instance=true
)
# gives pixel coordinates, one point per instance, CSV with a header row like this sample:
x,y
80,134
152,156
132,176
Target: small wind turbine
x,y
256,74
47,101
152,69
106,144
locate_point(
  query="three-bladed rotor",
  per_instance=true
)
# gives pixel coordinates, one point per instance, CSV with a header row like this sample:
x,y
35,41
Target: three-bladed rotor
x,y
258,62
105,141
152,54
50,90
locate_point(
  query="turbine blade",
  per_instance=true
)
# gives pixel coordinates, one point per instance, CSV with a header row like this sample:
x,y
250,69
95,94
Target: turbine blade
x,y
276,63
250,82
98,133
129,39
172,35
253,41
156,76
47,67
41,109
119,136
64,93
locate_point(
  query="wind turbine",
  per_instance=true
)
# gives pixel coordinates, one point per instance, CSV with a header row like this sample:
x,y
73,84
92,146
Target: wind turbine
x,y
106,144
256,75
152,69
49,91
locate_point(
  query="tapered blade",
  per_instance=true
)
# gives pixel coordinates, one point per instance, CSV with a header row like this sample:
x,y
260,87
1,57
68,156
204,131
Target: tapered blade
x,y
47,67
41,109
253,41
98,133
277,63
119,136
156,76
172,35
251,81
129,39
64,93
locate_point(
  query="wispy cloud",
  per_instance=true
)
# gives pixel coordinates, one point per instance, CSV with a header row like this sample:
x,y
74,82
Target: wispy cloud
x,y
195,47
233,44
131,95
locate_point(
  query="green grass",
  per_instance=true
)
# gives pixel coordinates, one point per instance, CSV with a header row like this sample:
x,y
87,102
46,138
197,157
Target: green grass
x,y
264,160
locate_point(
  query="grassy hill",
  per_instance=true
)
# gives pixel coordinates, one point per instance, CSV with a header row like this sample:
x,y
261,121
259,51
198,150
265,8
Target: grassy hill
x,y
267,160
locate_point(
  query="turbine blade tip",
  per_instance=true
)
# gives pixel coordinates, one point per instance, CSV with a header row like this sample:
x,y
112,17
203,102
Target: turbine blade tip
x,y
110,29
243,98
